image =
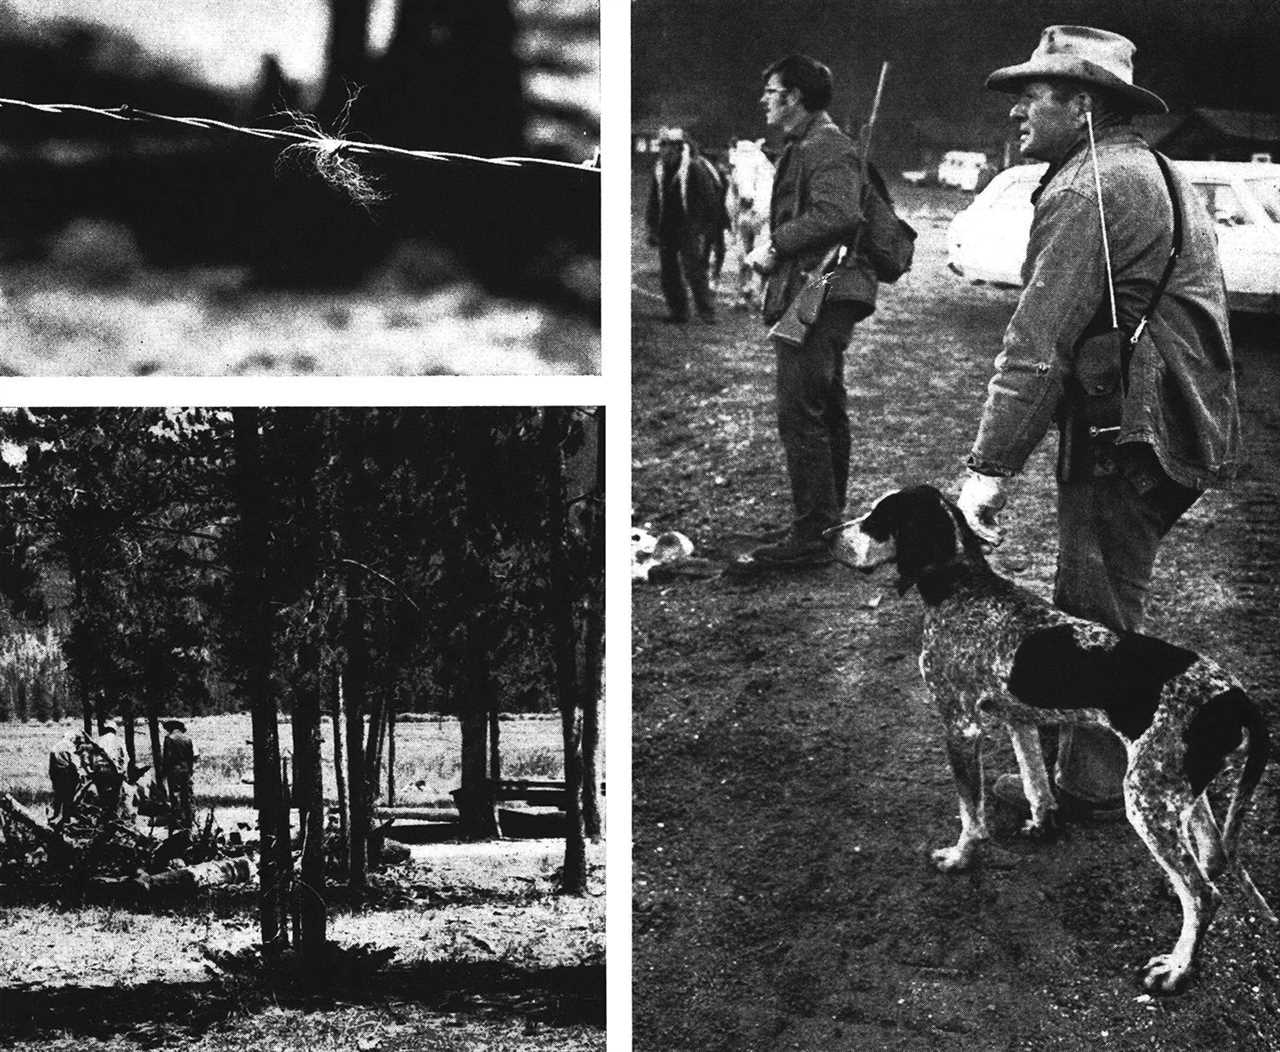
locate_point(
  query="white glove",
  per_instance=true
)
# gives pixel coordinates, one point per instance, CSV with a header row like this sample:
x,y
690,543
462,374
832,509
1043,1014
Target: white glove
x,y
981,498
762,258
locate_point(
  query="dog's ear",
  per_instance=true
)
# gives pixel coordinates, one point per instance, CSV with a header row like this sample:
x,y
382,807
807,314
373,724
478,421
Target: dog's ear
x,y
924,536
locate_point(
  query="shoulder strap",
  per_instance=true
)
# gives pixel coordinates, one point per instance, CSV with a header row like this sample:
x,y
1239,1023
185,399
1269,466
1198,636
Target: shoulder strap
x,y
1175,250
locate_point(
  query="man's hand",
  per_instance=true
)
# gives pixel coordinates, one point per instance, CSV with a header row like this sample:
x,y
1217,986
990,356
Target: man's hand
x,y
981,498
762,259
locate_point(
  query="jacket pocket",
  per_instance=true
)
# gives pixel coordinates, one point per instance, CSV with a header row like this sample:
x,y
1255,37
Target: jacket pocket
x,y
1098,378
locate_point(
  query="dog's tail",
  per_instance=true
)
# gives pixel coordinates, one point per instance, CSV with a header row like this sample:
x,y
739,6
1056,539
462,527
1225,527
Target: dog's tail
x,y
1256,754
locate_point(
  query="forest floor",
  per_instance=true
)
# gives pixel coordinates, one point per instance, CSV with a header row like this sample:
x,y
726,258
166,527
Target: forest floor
x,y
486,955
789,779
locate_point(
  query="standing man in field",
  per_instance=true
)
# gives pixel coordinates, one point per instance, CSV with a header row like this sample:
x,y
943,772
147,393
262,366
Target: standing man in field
x,y
816,207
178,761
687,218
1128,468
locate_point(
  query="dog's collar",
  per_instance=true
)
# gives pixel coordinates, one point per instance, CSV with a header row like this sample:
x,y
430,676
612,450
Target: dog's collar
x,y
830,530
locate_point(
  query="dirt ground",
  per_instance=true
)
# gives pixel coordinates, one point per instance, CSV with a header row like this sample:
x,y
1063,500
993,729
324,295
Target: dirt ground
x,y
789,779
486,956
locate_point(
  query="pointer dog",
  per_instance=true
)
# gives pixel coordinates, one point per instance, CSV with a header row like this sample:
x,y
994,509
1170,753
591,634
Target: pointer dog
x,y
993,651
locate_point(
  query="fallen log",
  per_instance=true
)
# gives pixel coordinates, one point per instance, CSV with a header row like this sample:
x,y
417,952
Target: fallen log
x,y
190,879
52,841
172,884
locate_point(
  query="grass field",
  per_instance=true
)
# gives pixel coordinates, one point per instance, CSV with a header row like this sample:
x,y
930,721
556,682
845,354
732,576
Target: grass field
x,y
428,751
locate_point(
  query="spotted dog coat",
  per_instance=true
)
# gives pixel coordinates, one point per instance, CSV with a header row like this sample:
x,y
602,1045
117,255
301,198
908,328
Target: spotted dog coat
x,y
994,652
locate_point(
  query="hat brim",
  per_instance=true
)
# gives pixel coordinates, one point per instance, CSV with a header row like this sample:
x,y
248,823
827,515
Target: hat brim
x,y
1010,80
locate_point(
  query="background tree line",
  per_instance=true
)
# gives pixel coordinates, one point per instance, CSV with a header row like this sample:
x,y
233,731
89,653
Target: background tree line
x,y
1217,53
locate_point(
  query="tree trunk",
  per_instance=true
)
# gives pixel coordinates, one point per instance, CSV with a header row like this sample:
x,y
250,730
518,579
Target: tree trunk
x,y
436,46
157,768
495,749
564,653
347,61
575,839
391,756
126,725
272,906
476,803
593,645
339,764
376,739
82,687
308,794
354,688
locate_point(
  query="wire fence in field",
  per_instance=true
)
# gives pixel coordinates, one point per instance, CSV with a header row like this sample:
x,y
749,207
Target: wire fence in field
x,y
329,154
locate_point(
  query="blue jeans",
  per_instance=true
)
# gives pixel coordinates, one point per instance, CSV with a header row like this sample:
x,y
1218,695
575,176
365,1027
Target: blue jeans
x,y
813,417
1108,535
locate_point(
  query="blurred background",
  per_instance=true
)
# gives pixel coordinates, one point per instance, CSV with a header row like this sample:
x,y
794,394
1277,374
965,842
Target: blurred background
x,y
137,248
698,65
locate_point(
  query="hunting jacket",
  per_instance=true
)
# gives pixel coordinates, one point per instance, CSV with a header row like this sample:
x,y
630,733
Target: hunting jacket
x,y
1182,394
687,202
816,206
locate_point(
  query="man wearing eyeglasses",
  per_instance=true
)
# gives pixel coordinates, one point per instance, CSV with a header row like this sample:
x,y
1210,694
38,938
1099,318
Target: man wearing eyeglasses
x,y
815,209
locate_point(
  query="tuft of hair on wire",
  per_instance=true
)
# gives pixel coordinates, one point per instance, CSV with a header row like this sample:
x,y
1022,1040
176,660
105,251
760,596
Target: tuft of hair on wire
x,y
309,143
327,154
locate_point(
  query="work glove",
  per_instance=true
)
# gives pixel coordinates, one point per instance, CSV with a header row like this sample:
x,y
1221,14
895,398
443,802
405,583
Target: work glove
x,y
763,259
980,501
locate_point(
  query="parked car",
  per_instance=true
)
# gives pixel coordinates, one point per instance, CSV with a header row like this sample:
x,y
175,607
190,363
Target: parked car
x,y
988,240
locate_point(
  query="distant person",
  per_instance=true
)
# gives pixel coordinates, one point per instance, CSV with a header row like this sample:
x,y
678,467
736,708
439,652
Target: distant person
x,y
816,208
687,219
108,766
1129,469
178,761
64,775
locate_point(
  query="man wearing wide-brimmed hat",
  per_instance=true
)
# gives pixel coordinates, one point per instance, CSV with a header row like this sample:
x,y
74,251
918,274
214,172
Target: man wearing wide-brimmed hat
x,y
1139,440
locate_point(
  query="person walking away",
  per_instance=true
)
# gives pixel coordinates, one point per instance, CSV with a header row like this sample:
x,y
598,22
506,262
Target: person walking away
x,y
815,209
686,217
1171,427
178,760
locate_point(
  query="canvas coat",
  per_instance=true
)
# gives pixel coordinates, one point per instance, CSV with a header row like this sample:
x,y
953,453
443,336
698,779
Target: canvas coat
x,y
1182,395
817,190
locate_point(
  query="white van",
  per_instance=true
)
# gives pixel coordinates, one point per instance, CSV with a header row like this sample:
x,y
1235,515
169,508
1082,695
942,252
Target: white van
x,y
988,240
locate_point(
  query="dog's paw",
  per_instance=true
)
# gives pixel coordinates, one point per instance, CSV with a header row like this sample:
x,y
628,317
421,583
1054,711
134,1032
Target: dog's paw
x,y
1166,973
1048,828
951,859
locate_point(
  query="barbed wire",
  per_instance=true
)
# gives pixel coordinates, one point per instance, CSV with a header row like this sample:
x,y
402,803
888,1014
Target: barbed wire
x,y
312,138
